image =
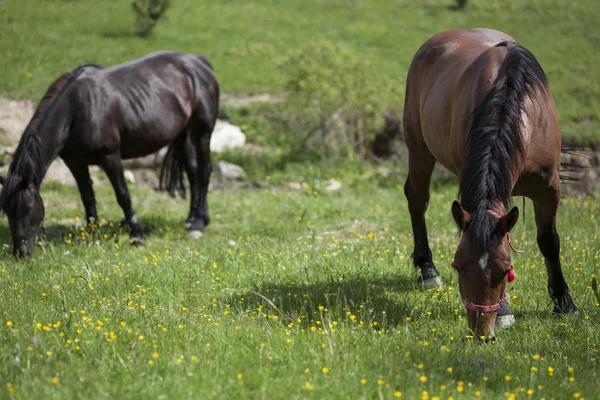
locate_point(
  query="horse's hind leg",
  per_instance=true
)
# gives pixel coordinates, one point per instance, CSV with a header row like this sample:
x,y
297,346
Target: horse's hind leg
x,y
191,170
81,173
546,206
198,171
416,189
113,167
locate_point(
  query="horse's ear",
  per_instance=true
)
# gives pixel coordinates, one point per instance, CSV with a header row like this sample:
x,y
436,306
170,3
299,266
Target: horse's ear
x,y
507,222
2,179
461,217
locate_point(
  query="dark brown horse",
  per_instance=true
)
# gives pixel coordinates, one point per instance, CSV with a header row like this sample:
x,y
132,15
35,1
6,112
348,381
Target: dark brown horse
x,y
480,104
99,116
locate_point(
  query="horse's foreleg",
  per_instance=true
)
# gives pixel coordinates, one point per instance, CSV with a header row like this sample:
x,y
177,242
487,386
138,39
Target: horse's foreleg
x,y
416,190
81,173
549,242
114,169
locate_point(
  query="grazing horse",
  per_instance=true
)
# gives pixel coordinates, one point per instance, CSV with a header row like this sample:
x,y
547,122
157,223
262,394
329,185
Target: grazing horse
x,y
99,116
480,104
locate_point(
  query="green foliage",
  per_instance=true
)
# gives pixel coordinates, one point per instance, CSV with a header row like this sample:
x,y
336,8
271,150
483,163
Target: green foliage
x,y
335,99
147,13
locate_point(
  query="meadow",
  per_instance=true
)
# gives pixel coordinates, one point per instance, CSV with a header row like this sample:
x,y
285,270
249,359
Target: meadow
x,y
290,294
294,291
246,41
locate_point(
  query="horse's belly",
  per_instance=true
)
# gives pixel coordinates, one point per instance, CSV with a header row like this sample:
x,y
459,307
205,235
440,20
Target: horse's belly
x,y
149,137
441,146
141,145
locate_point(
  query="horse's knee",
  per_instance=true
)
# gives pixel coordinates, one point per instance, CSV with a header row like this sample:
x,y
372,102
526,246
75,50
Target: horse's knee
x,y
408,189
417,199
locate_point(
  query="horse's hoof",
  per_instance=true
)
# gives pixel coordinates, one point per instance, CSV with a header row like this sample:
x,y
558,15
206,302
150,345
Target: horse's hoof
x,y
187,225
195,234
564,305
504,321
136,241
433,283
505,317
430,278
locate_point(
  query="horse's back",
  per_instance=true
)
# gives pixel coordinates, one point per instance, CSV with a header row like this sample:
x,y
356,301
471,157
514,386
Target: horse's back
x,y
184,80
141,105
452,70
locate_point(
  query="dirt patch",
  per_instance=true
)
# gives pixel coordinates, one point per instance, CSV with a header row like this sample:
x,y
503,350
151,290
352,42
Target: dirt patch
x,y
237,101
14,117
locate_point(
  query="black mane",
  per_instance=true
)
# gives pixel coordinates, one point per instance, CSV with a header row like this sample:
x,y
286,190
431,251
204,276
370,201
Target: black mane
x,y
495,145
26,165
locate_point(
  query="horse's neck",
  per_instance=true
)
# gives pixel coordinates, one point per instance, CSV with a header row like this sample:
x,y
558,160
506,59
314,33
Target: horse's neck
x,y
52,137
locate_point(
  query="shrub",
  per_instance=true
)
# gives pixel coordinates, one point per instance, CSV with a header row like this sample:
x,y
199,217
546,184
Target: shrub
x,y
147,13
335,99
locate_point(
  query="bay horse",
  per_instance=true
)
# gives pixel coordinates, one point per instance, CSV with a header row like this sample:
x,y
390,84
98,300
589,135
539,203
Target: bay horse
x,y
99,116
480,104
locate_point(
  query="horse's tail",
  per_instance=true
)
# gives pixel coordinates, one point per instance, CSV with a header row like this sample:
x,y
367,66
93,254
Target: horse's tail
x,y
495,142
173,166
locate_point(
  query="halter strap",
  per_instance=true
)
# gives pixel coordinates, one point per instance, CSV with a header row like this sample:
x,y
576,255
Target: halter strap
x,y
481,308
513,247
495,214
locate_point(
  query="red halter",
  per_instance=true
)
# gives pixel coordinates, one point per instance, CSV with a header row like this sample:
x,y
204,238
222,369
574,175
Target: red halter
x,y
483,309
487,309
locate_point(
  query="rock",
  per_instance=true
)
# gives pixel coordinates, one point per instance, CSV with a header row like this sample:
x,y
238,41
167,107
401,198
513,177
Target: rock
x,y
9,150
589,180
59,172
295,185
153,160
332,185
227,170
580,170
226,136
148,177
129,176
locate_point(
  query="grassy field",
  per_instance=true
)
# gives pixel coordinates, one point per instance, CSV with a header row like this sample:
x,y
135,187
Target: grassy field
x,y
290,294
246,40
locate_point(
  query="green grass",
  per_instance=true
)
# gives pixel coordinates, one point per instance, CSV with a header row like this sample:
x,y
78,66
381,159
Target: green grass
x,y
245,40
290,294
306,294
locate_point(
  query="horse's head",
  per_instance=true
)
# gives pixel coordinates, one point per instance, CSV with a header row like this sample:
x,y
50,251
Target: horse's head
x,y
482,260
22,204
